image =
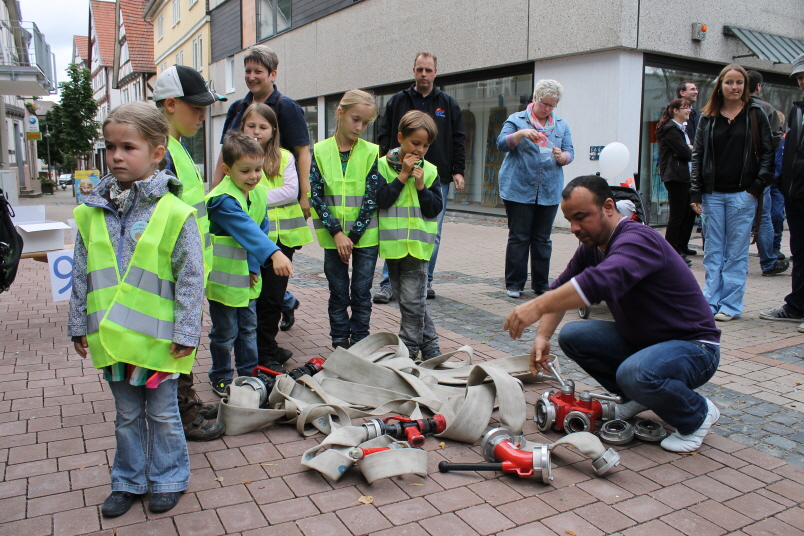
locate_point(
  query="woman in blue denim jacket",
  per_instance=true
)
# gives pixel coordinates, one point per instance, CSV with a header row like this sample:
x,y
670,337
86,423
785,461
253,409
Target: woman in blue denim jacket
x,y
537,145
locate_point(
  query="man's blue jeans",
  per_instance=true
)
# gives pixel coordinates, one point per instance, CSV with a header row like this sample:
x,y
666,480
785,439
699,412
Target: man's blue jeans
x,y
777,215
662,377
232,327
727,221
288,302
431,267
344,293
767,258
150,445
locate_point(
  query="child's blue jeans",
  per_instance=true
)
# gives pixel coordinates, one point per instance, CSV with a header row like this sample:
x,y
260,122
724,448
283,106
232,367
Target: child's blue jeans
x,y
232,327
344,293
408,277
151,449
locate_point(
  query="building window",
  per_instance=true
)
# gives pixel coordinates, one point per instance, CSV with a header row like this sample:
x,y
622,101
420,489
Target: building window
x,y
137,93
124,53
273,17
163,67
160,27
180,58
192,3
229,68
176,12
125,95
198,57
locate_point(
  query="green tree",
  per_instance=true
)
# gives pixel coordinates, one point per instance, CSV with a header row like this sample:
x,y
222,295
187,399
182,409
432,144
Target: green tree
x,y
72,124
62,162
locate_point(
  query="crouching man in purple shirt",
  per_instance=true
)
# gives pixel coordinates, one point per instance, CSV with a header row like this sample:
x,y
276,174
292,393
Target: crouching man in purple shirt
x,y
663,342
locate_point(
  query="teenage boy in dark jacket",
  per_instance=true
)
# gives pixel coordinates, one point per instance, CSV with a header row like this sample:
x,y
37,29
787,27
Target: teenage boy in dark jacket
x,y
448,152
791,183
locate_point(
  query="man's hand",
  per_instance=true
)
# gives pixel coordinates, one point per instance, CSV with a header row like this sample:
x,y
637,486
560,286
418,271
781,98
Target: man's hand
x,y
179,350
282,265
539,355
521,317
252,279
304,203
81,347
457,178
344,245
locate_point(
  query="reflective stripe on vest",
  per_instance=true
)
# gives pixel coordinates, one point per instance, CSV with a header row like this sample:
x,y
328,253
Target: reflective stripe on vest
x,y
287,223
403,228
344,192
192,193
230,281
130,319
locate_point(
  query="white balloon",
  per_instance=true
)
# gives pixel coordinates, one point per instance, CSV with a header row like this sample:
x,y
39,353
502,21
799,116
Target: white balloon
x,y
614,160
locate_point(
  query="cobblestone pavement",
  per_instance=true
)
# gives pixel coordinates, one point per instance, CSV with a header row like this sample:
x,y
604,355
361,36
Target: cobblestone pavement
x,y
57,425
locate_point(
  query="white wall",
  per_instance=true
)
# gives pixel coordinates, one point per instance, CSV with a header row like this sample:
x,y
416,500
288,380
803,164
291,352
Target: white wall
x,y
601,104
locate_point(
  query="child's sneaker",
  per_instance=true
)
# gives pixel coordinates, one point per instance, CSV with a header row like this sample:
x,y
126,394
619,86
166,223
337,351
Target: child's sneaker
x,y
430,354
219,386
202,429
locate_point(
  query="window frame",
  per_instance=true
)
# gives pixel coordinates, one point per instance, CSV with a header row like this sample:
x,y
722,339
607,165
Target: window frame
x,y
160,27
176,12
274,18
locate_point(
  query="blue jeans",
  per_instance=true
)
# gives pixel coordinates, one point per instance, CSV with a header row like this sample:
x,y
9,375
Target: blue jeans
x,y
344,293
288,302
431,267
232,327
662,377
767,258
777,215
409,283
529,229
150,445
727,228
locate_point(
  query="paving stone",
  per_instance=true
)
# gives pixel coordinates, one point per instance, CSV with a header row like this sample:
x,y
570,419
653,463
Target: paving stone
x,y
754,506
653,528
485,519
447,524
454,499
55,503
322,524
363,519
204,523
75,522
290,510
712,488
160,527
495,492
604,517
38,526
721,515
772,527
642,509
412,529
736,479
405,511
241,517
678,496
225,496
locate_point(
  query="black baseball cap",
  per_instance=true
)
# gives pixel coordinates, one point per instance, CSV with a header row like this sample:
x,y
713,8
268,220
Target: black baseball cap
x,y
186,83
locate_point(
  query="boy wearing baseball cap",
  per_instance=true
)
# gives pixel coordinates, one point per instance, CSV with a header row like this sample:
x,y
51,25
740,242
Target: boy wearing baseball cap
x,y
183,96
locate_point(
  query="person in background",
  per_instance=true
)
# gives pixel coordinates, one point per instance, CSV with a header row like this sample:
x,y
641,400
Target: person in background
x,y
729,173
182,95
688,90
448,152
537,144
675,153
768,261
791,184
777,199
261,65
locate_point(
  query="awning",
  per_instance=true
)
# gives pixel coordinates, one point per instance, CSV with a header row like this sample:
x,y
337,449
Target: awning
x,y
765,46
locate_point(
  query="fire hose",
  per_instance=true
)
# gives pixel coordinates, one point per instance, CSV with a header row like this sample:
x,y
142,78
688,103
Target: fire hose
x,y
502,454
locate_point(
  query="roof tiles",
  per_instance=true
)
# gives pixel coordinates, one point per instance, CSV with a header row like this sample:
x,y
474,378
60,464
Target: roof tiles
x,y
139,35
103,14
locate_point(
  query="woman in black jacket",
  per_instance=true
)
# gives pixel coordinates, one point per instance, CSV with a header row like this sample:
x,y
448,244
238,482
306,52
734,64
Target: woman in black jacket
x,y
732,162
675,153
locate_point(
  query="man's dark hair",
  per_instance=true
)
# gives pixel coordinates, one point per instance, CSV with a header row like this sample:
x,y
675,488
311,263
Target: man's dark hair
x,y
754,79
682,87
597,185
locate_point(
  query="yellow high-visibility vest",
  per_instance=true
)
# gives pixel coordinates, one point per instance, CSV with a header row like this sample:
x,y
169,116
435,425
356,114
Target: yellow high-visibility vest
x,y
343,192
287,223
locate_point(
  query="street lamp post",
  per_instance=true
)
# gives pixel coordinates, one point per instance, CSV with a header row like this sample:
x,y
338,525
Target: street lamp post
x,y
47,139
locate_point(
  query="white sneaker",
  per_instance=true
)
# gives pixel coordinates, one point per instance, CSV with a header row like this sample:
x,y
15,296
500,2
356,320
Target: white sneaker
x,y
801,328
676,442
513,293
628,410
723,317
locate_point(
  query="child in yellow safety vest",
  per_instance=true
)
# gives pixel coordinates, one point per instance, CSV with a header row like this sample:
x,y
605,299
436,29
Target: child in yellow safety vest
x,y
239,227
343,183
410,201
181,93
288,228
138,282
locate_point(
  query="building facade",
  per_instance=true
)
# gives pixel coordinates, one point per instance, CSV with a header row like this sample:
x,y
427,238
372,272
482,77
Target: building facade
x,y
619,62
133,52
102,30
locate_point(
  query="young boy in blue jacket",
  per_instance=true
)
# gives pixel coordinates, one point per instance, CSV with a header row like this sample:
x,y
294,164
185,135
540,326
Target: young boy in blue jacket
x,y
237,209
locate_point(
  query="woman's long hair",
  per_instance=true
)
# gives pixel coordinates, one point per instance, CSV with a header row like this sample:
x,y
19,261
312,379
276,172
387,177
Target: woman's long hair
x,y
716,99
667,113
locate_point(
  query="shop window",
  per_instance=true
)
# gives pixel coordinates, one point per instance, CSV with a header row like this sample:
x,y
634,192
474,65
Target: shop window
x,y
659,88
310,109
273,17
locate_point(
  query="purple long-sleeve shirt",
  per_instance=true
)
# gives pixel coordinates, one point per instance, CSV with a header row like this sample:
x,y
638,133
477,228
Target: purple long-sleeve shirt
x,y
648,288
